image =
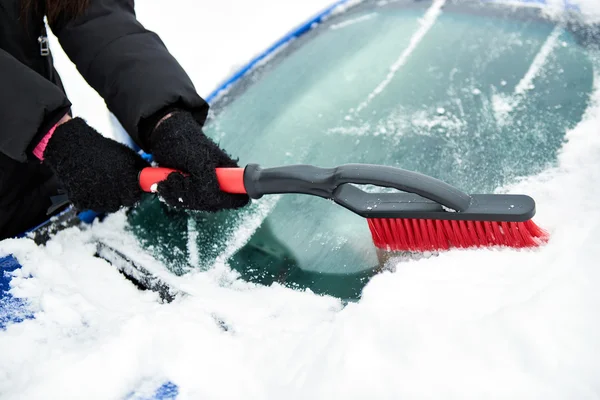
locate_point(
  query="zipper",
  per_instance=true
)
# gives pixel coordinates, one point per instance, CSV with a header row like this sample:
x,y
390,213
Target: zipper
x,y
44,45
43,38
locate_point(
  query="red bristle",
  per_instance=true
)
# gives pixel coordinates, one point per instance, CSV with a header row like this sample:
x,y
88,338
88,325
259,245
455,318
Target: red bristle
x,y
374,232
422,228
489,232
518,234
498,235
432,233
442,241
374,228
399,226
409,234
418,236
418,232
403,234
386,234
509,239
518,231
481,233
378,227
536,231
455,229
526,239
389,234
400,241
449,233
534,234
427,245
473,234
464,231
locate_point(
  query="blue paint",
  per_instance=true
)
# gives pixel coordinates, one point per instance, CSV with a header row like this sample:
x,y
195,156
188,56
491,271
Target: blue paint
x,y
146,156
167,391
12,310
88,216
7,265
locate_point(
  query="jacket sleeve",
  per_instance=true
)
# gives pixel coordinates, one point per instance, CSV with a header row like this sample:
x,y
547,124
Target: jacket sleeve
x,y
29,106
128,65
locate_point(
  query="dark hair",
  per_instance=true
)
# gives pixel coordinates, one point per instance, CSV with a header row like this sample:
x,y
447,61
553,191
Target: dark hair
x,y
55,9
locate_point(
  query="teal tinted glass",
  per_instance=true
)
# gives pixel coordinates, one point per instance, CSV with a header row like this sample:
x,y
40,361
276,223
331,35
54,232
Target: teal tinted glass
x,y
475,96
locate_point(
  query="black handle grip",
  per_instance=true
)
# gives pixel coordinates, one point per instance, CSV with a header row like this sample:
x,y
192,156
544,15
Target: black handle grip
x,y
323,182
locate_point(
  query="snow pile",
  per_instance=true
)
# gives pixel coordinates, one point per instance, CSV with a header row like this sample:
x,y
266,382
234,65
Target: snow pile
x,y
97,336
465,324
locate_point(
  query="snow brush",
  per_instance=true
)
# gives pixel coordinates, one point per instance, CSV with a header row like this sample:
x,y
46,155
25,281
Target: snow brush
x,y
427,215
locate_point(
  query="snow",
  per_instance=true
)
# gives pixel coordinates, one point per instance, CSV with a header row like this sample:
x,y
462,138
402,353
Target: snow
x,y
352,21
426,23
538,62
465,324
504,105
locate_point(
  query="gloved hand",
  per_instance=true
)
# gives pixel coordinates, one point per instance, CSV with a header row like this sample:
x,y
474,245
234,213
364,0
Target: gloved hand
x,y
98,173
178,142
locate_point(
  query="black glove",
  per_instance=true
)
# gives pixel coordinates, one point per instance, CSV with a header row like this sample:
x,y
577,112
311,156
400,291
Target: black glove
x,y
178,142
97,173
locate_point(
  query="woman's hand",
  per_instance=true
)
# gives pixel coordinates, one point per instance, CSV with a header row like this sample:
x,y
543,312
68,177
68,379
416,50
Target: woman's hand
x,y
178,142
98,173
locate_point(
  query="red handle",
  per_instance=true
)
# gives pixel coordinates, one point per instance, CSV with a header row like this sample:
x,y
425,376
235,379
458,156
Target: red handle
x,y
231,180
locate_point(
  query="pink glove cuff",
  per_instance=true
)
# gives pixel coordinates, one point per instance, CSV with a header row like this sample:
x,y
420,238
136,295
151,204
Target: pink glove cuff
x,y
41,146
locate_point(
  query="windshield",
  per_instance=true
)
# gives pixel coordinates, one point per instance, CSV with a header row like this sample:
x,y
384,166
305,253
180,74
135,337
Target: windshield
x,y
470,94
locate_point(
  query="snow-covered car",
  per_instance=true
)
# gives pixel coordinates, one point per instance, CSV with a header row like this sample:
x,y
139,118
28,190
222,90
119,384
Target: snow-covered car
x,y
483,95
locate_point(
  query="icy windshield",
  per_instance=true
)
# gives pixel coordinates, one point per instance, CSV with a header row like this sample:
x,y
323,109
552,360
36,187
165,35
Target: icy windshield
x,y
471,95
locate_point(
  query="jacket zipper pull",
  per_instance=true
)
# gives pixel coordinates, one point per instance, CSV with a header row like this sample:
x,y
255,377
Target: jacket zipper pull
x,y
44,46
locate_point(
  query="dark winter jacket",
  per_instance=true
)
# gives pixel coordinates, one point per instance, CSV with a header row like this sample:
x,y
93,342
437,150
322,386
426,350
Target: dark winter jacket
x,y
128,65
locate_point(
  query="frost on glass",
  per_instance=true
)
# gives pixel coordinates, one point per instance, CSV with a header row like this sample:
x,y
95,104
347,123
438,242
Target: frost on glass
x,y
471,96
